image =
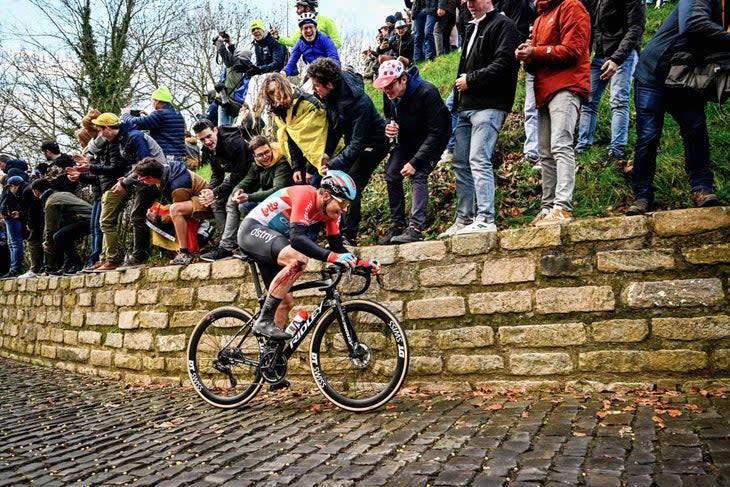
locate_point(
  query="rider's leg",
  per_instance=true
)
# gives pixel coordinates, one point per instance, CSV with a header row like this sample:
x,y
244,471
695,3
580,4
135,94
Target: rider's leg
x,y
293,263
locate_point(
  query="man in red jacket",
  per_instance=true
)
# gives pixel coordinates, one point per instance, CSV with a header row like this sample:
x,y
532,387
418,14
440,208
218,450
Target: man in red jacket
x,y
559,57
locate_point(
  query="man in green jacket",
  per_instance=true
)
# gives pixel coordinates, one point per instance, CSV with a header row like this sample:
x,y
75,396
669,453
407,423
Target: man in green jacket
x,y
324,24
270,173
66,219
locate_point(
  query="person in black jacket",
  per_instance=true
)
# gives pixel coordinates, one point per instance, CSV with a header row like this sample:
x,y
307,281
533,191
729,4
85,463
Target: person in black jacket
x,y
484,93
352,116
421,125
12,212
400,45
446,13
617,29
271,56
58,161
33,209
225,149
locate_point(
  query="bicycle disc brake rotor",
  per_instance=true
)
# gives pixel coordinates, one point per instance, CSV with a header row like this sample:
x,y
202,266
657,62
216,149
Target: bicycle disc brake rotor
x,y
361,356
273,366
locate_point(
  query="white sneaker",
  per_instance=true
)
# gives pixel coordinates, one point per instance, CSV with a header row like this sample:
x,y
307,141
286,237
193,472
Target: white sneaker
x,y
28,274
452,230
446,157
540,216
478,227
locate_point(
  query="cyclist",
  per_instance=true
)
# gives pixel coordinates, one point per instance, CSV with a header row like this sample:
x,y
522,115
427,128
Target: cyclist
x,y
275,234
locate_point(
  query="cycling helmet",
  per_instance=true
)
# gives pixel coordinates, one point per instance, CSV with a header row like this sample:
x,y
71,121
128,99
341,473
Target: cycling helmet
x,y
308,3
307,18
339,184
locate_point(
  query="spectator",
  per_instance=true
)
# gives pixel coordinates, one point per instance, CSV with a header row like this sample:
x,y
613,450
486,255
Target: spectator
x,y
326,25
134,146
421,124
33,209
227,152
424,22
368,62
446,19
232,84
165,124
483,95
11,209
58,162
351,116
559,57
617,29
311,45
694,26
188,193
270,173
301,123
401,45
66,219
270,54
13,167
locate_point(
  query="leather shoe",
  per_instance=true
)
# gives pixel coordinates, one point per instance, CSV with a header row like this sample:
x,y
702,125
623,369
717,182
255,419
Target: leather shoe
x,y
108,265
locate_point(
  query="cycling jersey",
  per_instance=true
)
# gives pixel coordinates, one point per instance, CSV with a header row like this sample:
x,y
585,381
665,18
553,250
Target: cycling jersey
x,y
292,205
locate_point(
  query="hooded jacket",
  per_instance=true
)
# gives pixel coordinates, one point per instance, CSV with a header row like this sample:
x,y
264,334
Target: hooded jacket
x,y
109,165
135,145
321,46
231,156
490,66
261,182
424,120
352,117
166,125
270,55
178,183
561,60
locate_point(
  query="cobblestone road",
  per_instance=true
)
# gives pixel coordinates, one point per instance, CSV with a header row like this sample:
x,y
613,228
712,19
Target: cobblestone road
x,y
62,429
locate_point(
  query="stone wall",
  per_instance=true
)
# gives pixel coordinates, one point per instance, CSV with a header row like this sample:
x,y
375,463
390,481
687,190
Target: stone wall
x,y
597,303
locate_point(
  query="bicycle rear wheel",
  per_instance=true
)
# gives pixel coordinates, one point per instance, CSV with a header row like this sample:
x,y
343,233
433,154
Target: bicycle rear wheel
x,y
223,358
370,376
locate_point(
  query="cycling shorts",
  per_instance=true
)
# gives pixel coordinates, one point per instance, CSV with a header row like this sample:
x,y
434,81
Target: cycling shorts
x,y
264,245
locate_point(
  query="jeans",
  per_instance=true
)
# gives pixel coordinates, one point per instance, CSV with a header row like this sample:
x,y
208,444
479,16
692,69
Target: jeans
x,y
234,213
220,212
454,120
442,32
14,228
620,89
224,118
360,172
396,195
689,112
555,128
64,240
35,253
423,40
530,146
96,235
476,140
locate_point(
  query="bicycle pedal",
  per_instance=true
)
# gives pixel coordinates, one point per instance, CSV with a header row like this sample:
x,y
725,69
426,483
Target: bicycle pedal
x,y
282,384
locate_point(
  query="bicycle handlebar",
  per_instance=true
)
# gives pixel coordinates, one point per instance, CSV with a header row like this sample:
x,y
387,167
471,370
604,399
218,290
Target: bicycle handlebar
x,y
336,271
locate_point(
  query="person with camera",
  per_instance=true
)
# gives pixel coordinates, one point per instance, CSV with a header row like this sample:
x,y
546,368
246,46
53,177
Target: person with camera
x,y
233,82
270,54
165,124
326,24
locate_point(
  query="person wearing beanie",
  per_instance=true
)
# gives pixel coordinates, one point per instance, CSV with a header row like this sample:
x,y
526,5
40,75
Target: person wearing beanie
x,y
312,45
325,24
270,54
165,124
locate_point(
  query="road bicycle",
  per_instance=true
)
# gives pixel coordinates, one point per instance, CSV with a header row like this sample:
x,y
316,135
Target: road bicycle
x,y
358,354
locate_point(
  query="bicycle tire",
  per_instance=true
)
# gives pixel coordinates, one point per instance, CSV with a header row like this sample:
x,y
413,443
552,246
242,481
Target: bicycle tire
x,y
241,357
355,384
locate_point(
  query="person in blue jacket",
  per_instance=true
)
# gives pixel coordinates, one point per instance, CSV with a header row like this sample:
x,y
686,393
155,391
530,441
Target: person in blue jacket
x,y
165,124
270,54
312,45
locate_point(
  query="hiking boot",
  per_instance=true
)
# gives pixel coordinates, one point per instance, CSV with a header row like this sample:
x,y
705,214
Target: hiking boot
x,y
269,330
556,215
386,239
639,207
218,254
704,198
452,230
410,234
107,265
543,213
182,259
478,227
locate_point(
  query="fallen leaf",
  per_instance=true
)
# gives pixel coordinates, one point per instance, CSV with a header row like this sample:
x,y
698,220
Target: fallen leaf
x,y
525,414
624,430
629,408
169,424
390,407
659,421
316,408
494,406
601,414
675,413
693,408
579,434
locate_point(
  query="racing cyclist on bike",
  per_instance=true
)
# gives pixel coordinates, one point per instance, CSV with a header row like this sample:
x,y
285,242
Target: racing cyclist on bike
x,y
275,235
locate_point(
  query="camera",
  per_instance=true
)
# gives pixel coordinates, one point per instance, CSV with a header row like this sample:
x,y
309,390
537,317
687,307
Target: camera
x,y
222,35
135,113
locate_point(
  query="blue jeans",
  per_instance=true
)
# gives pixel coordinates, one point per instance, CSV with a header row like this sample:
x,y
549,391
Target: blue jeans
x,y
476,140
620,89
689,112
96,235
454,120
530,147
14,228
424,44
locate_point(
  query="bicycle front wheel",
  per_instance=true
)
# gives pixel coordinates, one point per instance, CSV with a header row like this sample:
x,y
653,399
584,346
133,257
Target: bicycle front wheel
x,y
223,358
372,373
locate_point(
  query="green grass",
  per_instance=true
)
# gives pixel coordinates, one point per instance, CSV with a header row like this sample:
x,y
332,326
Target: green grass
x,y
599,190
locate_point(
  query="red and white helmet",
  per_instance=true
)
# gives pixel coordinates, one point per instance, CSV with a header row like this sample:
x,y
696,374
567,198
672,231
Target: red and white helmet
x,y
388,71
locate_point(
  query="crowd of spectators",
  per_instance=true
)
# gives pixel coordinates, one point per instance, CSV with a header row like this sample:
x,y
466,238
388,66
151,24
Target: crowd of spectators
x,y
143,164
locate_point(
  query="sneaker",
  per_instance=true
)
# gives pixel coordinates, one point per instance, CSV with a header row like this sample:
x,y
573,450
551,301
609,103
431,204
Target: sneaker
x,y
410,234
92,268
28,274
537,166
446,157
386,239
704,198
478,227
349,242
218,254
107,265
639,207
556,215
71,270
131,262
182,259
452,230
9,275
540,216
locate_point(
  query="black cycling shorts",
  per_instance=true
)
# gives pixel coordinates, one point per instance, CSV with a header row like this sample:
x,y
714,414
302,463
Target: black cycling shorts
x,y
264,245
